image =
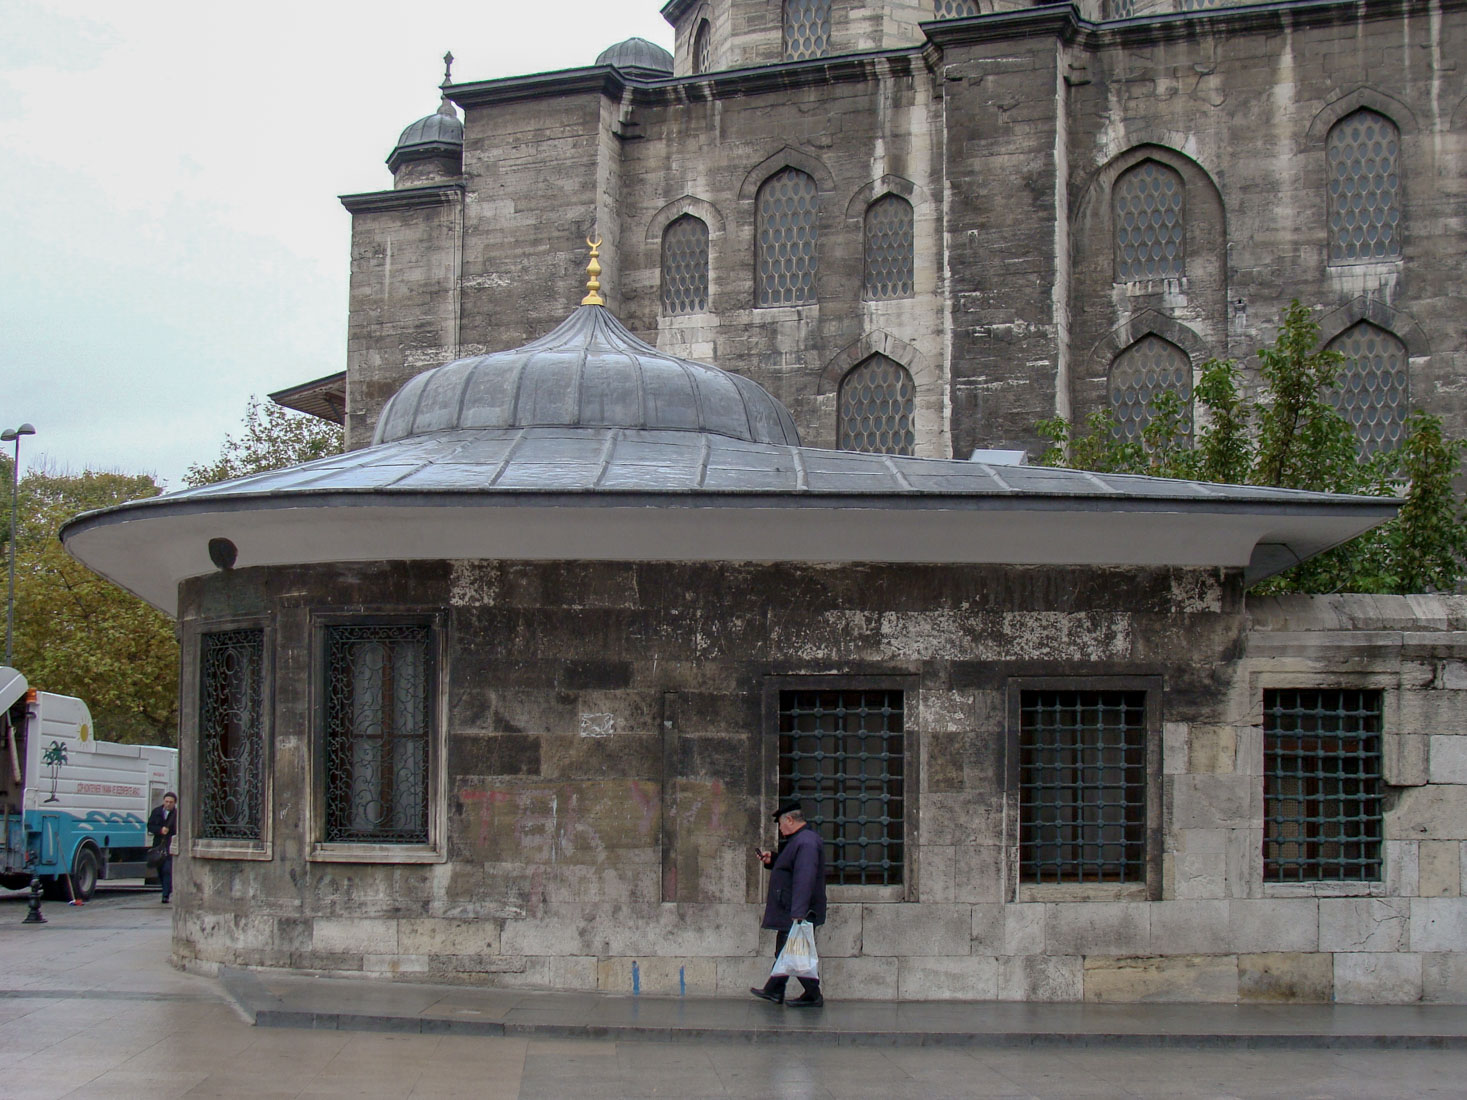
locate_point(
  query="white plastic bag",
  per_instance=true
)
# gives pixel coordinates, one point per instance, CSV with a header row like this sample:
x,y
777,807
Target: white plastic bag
x,y
798,959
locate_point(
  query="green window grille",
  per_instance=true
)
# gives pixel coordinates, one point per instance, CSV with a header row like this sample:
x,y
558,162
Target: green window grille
x,y
786,209
806,29
231,735
1322,786
842,753
1082,786
1144,371
1372,390
685,265
1150,209
889,245
876,404
1362,151
378,703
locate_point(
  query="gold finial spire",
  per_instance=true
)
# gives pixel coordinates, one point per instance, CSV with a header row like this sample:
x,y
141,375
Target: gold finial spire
x,y
593,269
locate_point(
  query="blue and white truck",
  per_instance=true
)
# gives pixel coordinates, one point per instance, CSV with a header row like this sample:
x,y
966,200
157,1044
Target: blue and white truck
x,y
73,808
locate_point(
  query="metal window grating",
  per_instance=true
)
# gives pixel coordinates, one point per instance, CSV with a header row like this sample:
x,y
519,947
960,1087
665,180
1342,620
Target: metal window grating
x,y
1322,819
1120,9
685,265
787,210
955,9
378,700
1373,387
1149,202
842,753
1145,370
806,29
231,735
702,49
888,241
1082,786
1364,188
876,404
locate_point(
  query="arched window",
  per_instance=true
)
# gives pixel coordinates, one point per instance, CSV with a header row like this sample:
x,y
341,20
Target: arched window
x,y
701,48
1373,389
685,265
1150,207
955,9
1363,151
876,401
1149,367
806,29
785,241
888,267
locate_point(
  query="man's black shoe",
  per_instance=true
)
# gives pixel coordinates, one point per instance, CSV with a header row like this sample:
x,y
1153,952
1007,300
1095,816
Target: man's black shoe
x,y
806,1001
766,995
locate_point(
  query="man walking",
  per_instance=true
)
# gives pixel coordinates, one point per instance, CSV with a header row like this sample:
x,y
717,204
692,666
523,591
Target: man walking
x,y
796,892
163,824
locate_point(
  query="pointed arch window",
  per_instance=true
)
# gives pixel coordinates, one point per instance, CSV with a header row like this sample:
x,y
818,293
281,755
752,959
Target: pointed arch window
x,y
1363,154
955,9
702,48
1373,388
785,239
876,402
888,236
1145,370
1150,223
806,29
685,265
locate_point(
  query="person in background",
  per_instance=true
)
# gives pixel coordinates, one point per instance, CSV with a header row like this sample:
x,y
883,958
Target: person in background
x,y
796,892
163,824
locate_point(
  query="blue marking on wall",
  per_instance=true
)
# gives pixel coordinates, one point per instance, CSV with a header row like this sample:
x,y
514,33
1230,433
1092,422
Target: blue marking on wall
x,y
682,981
636,979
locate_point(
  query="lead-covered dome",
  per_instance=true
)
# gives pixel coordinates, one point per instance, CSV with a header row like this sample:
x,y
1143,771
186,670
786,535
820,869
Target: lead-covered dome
x,y
439,134
637,53
589,373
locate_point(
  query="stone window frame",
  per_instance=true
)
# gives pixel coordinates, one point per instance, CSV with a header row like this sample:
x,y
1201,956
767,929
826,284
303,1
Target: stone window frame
x,y
436,849
768,790
191,754
1151,889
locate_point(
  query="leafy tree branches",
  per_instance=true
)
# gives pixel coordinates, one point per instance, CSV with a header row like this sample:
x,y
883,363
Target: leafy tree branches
x,y
272,438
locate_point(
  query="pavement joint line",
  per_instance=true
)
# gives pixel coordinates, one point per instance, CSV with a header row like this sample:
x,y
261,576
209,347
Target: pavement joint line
x,y
104,995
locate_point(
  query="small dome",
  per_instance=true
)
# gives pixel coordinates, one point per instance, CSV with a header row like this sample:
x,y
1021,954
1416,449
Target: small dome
x,y
439,133
637,53
589,373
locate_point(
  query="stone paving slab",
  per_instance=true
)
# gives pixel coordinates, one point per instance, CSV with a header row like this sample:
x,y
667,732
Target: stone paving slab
x,y
333,1003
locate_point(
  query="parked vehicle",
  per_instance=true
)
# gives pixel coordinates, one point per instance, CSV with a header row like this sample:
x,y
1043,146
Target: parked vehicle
x,y
76,806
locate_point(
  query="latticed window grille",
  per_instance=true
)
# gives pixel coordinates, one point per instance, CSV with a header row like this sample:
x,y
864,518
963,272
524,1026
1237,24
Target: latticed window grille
x,y
1372,390
955,9
702,48
1363,151
843,754
231,735
1150,226
685,265
1322,818
806,29
1082,786
787,209
378,702
1145,370
876,408
1200,5
888,267
1120,9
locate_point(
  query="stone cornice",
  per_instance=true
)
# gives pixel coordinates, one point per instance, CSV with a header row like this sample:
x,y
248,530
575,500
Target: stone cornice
x,y
436,194
602,79
674,10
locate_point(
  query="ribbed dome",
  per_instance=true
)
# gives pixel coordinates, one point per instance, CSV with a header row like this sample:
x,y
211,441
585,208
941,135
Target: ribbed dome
x,y
589,373
442,131
636,53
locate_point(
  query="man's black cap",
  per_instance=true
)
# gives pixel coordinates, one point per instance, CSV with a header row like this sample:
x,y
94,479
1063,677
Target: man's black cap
x,y
794,805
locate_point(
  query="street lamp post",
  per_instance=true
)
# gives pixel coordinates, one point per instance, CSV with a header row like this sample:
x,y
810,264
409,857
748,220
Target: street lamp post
x,y
7,436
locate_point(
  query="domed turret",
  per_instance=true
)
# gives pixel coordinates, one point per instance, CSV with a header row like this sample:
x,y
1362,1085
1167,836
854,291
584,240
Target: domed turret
x,y
637,55
431,148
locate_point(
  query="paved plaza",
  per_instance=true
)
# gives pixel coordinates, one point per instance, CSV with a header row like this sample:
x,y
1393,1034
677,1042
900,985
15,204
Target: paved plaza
x,y
90,1007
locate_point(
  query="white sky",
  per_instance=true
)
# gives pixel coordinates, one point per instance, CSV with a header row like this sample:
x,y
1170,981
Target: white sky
x,y
170,238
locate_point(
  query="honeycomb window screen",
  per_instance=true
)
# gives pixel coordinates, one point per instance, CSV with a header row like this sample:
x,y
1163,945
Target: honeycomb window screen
x,y
1363,155
1082,786
1145,370
876,408
685,265
955,9
702,48
843,754
1372,390
1120,9
1200,5
888,266
1150,226
787,210
806,29
1322,787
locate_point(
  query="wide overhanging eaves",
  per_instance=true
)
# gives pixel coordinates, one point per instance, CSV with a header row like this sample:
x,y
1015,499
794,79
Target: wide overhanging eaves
x,y
617,494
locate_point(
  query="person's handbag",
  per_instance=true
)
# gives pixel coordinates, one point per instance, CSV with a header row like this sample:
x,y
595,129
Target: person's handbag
x,y
155,856
799,958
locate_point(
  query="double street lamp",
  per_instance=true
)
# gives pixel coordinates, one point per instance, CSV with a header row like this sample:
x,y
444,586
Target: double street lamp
x,y
6,436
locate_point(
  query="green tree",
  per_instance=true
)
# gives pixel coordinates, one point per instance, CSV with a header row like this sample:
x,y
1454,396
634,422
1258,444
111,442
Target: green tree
x,y
1292,436
272,438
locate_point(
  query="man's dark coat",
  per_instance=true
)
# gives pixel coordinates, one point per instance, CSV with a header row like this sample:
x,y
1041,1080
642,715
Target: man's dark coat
x,y
161,819
796,881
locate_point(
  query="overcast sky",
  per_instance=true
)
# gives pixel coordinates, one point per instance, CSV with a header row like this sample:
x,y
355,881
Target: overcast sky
x,y
170,238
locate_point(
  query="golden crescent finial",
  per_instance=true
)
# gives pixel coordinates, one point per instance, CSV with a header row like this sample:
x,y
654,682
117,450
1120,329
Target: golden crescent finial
x,y
593,269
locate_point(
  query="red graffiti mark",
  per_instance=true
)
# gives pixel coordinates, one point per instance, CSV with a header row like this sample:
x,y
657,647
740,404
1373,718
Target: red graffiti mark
x,y
649,801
